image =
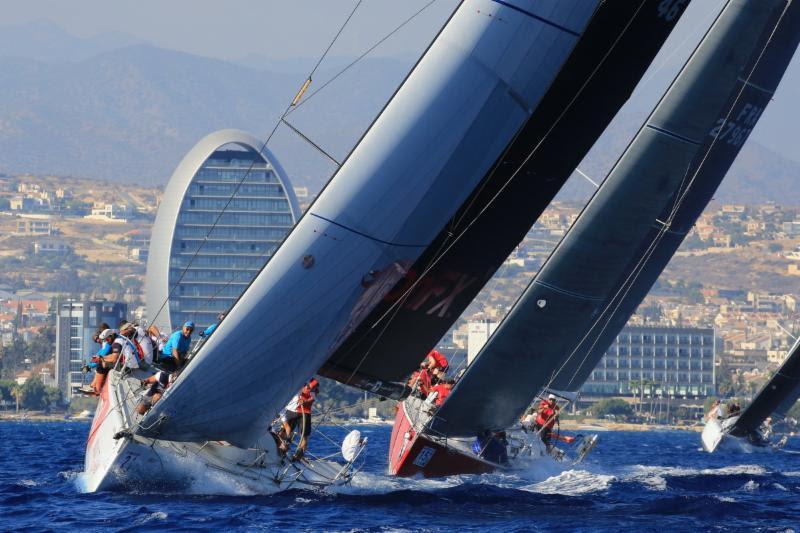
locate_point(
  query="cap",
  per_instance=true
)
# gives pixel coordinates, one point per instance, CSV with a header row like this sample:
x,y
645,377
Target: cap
x,y
313,384
106,333
189,324
551,396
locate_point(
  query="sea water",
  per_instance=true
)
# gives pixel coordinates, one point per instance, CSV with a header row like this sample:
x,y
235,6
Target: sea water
x,y
658,480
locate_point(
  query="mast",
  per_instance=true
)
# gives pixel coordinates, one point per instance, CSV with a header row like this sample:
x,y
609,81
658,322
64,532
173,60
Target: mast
x,y
597,79
563,323
433,143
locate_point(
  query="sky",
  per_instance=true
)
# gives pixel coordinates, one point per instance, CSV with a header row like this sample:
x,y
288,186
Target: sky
x,y
281,30
237,28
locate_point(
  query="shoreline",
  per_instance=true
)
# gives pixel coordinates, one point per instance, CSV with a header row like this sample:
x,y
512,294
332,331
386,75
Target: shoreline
x,y
568,425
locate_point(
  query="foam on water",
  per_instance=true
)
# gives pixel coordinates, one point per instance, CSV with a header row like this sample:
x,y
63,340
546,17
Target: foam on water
x,y
572,483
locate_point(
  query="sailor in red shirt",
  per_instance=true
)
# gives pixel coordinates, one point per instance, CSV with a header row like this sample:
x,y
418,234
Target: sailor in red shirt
x,y
435,360
546,418
298,411
442,390
421,382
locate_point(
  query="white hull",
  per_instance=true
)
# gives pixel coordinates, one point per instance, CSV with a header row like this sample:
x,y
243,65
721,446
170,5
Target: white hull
x,y
144,464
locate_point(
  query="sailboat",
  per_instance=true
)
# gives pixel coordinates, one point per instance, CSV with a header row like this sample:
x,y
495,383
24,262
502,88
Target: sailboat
x,y
751,427
561,326
442,132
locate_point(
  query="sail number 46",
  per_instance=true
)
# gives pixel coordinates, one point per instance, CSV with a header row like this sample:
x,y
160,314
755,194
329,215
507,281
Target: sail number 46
x,y
669,9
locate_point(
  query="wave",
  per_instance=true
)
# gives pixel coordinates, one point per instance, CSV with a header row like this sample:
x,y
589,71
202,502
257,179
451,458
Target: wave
x,y
573,483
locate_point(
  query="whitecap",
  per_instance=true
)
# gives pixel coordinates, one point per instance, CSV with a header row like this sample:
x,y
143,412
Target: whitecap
x,y
28,483
158,515
572,483
750,486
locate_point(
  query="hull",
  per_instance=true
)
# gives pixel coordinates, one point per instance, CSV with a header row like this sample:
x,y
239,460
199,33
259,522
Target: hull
x,y
414,453
130,462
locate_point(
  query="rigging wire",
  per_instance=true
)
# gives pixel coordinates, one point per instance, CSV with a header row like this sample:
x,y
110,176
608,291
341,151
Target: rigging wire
x,y
297,103
252,165
627,285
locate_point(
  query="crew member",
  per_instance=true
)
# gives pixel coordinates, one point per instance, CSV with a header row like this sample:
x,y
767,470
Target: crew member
x,y
298,411
175,350
102,363
156,385
546,418
420,383
434,360
442,391
210,329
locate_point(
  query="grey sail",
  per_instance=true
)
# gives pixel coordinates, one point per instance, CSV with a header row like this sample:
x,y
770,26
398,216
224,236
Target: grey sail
x,y
552,336
444,128
776,396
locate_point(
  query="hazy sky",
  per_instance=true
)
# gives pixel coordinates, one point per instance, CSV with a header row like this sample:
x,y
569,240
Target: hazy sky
x,y
285,29
235,28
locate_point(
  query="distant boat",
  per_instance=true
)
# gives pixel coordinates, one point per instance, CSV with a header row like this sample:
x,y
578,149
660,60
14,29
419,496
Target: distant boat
x,y
754,425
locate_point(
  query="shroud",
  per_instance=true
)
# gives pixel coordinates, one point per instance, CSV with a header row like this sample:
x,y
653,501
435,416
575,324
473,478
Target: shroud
x,y
584,294
597,79
434,142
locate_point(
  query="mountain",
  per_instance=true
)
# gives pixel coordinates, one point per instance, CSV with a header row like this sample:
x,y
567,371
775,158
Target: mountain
x,y
132,113
44,41
758,174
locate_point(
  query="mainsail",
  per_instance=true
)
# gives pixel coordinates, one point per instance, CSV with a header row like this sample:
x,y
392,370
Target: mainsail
x,y
597,79
778,395
457,111
583,295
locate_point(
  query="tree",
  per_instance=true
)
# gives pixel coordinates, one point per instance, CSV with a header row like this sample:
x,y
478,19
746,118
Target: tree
x,y
34,395
612,406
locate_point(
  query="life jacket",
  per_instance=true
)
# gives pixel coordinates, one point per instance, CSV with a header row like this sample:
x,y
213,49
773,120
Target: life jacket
x,y
442,391
304,401
546,417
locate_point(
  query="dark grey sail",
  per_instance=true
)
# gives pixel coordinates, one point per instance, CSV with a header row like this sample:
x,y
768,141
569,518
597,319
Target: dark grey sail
x,y
596,80
583,295
781,390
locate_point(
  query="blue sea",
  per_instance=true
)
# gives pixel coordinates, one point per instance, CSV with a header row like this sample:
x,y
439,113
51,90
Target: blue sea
x,y
644,481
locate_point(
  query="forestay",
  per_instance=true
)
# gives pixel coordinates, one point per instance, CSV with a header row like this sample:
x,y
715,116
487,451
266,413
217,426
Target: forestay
x,y
551,337
447,124
598,77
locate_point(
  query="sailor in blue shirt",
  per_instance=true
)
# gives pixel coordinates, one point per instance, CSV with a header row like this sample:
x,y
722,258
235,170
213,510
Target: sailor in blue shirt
x,y
175,350
210,329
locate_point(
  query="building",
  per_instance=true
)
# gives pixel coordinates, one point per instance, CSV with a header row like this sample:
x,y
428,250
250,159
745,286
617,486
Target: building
x,y
224,211
76,322
477,335
109,212
51,247
657,361
34,226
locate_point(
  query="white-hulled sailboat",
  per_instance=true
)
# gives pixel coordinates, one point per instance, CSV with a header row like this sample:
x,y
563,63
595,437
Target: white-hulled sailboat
x,y
441,133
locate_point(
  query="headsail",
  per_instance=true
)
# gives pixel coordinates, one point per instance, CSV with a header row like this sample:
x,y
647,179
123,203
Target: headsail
x,y
563,323
597,79
783,389
436,139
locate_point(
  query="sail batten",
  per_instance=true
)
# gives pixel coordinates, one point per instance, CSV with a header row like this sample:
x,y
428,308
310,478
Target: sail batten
x,y
416,165
625,236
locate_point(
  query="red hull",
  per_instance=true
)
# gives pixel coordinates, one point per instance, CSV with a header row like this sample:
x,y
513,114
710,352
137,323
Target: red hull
x,y
411,453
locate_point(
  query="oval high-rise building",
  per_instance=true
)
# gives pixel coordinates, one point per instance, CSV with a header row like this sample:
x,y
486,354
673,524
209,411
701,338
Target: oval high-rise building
x,y
225,209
